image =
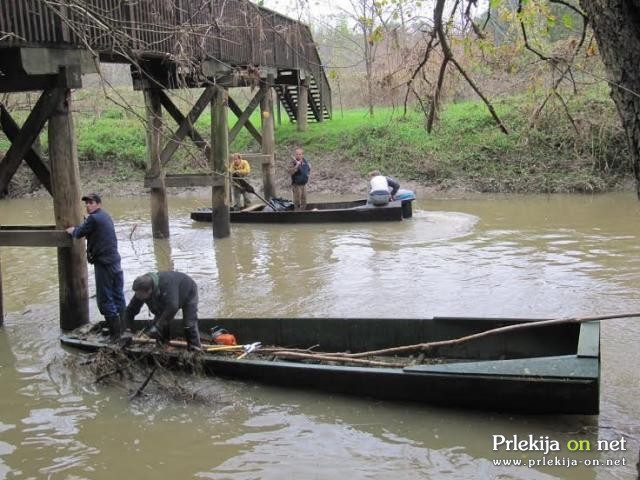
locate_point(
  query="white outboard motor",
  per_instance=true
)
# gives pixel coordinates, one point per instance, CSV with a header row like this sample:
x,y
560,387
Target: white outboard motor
x,y
406,197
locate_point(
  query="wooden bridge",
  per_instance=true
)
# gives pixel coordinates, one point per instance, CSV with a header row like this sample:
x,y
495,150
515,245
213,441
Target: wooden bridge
x,y
216,45
173,43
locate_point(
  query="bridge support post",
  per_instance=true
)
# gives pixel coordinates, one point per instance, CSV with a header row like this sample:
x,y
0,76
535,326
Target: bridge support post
x,y
67,207
268,138
219,164
303,101
155,173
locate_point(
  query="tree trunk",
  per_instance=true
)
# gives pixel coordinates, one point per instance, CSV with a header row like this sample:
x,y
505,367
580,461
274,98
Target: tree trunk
x,y
616,24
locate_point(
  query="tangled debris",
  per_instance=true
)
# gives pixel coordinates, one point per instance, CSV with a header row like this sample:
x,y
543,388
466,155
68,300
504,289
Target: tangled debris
x,y
147,374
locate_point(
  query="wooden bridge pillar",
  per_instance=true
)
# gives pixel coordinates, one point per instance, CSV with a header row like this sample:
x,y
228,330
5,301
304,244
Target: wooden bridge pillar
x,y
221,220
268,138
67,207
303,104
155,172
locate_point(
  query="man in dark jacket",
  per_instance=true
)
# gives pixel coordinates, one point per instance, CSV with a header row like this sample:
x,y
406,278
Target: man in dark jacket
x,y
165,293
299,169
102,252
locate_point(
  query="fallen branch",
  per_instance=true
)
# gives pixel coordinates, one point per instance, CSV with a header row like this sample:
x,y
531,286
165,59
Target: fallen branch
x,y
144,384
335,358
457,341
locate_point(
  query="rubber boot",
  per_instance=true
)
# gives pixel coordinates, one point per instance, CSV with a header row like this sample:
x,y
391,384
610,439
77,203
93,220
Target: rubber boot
x,y
115,327
192,335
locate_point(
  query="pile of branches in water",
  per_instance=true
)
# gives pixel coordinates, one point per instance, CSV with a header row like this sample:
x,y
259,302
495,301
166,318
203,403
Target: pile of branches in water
x,y
147,374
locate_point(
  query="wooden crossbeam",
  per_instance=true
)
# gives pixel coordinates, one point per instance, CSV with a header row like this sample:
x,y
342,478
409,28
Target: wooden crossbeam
x,y
180,119
41,112
244,118
33,159
205,179
248,125
33,236
186,125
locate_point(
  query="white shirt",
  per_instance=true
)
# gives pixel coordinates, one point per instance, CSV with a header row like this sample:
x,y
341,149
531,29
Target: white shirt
x,y
379,184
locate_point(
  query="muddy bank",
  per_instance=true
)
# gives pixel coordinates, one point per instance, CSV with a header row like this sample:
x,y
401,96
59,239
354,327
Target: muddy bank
x,y
330,175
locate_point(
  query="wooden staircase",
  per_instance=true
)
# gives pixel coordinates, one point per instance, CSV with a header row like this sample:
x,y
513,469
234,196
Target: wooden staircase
x,y
318,109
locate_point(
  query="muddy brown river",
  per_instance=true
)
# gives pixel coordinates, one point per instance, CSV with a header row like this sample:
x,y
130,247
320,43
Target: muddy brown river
x,y
517,256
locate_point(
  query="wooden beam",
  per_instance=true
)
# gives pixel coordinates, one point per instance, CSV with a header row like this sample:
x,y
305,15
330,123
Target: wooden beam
x,y
219,164
245,117
186,180
179,118
256,160
158,194
65,180
33,159
26,83
301,116
248,125
35,238
44,108
186,126
268,144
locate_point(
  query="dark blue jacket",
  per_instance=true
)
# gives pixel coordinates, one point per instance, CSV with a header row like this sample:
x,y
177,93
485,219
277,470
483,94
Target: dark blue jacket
x,y
102,244
301,175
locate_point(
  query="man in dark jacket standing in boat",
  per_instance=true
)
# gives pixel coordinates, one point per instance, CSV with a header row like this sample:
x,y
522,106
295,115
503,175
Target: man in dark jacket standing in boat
x,y
299,169
165,293
102,252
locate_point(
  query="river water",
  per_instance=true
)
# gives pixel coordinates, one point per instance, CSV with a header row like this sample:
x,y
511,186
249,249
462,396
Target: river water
x,y
521,256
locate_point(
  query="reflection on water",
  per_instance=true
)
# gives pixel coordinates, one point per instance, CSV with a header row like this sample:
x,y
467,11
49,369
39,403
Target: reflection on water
x,y
533,256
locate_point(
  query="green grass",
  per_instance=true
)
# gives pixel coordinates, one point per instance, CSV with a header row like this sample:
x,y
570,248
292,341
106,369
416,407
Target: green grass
x,y
466,149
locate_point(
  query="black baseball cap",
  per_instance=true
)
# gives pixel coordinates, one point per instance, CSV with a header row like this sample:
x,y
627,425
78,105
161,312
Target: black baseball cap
x,y
93,197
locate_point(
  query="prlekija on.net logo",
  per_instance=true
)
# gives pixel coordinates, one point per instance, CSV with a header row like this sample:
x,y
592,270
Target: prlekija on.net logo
x,y
545,444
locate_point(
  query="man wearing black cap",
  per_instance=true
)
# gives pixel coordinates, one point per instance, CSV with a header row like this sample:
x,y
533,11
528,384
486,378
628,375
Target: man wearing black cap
x,y
102,251
165,293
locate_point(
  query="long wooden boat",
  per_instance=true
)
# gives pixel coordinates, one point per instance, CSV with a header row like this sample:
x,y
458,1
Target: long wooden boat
x,y
546,369
352,211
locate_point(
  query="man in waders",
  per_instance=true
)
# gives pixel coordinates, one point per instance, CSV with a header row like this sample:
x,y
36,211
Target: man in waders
x,y
165,293
102,252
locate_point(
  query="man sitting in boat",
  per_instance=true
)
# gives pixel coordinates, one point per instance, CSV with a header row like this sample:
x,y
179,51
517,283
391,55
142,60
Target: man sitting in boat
x,y
165,293
383,188
239,168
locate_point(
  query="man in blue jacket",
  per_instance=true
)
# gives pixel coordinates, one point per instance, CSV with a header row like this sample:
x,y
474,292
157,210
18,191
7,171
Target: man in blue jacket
x,y
102,252
299,169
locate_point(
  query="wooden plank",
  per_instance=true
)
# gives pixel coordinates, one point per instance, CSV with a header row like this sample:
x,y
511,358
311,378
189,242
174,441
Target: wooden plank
x,y
589,340
43,109
186,125
33,159
248,125
245,117
35,238
179,118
